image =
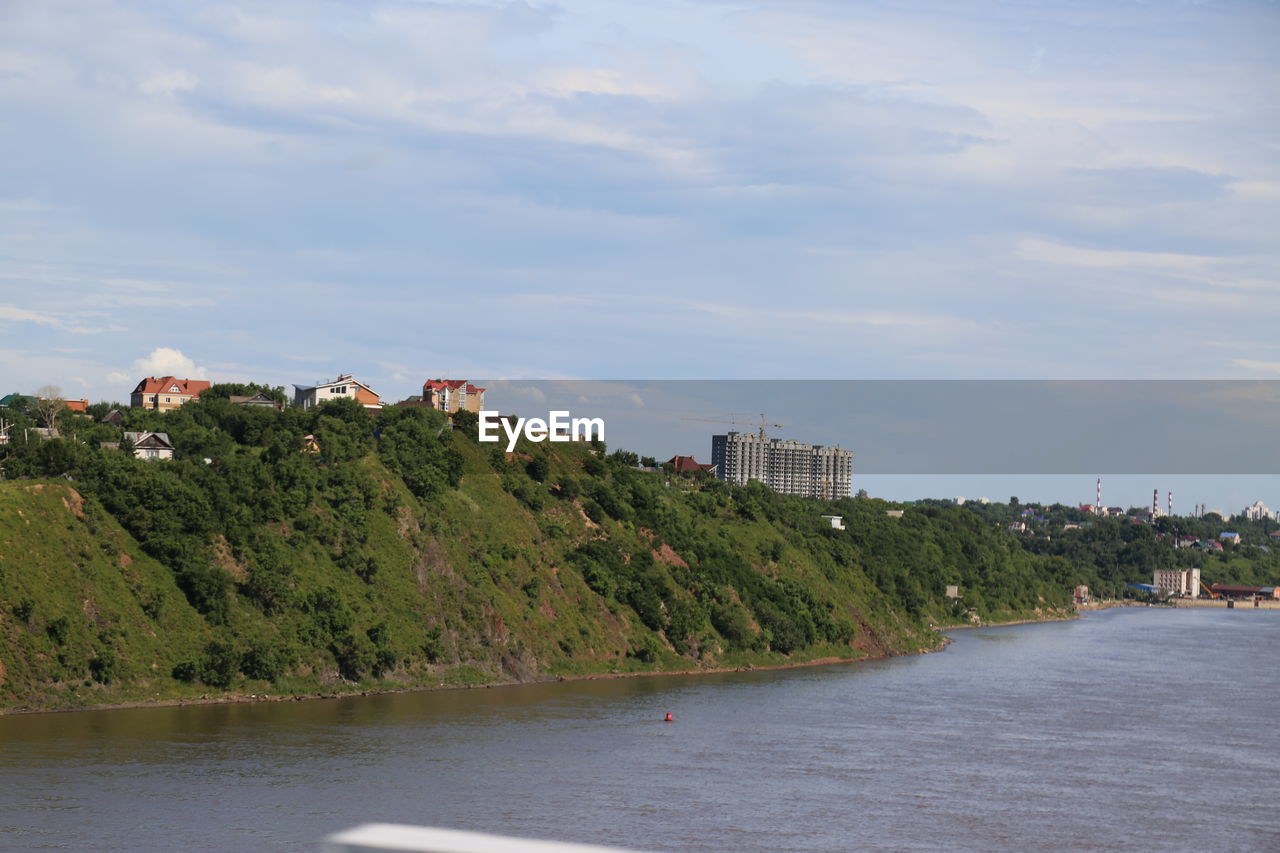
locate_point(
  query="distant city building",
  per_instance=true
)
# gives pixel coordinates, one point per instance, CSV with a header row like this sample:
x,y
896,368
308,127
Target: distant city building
x,y
344,387
166,393
1184,582
1257,512
787,466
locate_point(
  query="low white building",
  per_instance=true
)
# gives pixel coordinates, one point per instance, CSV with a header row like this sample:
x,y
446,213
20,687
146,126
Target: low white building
x,y
344,387
1181,582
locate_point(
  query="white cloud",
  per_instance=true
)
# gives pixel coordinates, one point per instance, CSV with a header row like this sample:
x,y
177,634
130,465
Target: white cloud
x,y
163,361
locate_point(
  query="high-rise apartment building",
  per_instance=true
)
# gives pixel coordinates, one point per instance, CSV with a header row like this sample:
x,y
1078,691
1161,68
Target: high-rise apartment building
x,y
787,466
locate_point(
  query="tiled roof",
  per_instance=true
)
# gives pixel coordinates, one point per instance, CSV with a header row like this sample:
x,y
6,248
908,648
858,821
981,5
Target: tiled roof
x,y
687,463
165,384
451,384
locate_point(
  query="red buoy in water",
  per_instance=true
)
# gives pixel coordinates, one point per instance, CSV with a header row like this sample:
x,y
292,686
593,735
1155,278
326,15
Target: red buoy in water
x,y
669,719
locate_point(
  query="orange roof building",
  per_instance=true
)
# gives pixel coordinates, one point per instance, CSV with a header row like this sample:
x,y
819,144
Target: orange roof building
x,y
166,393
688,464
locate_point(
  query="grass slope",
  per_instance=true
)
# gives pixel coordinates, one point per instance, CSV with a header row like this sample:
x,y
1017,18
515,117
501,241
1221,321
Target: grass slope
x,y
547,562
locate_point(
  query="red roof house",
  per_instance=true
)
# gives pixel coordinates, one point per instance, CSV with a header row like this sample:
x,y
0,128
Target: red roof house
x,y
687,464
166,392
451,395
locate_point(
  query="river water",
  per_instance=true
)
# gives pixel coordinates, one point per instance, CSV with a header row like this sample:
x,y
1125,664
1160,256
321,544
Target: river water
x,y
1130,729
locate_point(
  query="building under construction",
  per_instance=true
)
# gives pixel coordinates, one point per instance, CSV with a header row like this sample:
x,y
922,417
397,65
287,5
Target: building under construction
x,y
787,466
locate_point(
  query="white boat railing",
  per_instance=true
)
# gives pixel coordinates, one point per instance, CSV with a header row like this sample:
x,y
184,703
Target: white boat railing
x,y
399,838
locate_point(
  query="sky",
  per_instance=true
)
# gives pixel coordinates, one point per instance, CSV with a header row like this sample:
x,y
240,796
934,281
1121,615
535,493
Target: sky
x,y
821,190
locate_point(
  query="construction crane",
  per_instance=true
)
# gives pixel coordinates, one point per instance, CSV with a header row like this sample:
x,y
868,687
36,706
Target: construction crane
x,y
760,426
1210,592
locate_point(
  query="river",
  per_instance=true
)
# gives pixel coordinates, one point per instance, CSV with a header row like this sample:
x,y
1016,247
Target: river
x,y
1129,729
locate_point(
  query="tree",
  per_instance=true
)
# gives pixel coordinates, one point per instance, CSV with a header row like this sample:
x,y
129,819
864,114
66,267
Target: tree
x,y
862,493
49,406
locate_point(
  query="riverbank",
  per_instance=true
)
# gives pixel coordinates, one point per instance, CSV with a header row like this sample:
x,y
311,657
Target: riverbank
x,y
355,690
1223,603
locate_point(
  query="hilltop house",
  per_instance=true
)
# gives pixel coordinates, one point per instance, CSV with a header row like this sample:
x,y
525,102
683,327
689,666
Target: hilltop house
x,y
150,445
15,401
258,400
344,387
166,393
689,465
78,407
452,395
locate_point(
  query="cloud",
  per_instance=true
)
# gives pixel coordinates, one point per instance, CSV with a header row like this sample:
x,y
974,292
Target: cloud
x,y
22,315
44,318
1260,366
163,361
1040,189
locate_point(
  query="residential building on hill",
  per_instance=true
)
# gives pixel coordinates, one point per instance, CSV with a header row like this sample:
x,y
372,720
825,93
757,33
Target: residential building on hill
x,y
150,445
166,393
258,400
787,466
688,464
452,395
344,387
78,407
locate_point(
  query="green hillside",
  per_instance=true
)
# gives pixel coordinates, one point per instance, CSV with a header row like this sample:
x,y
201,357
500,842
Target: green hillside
x,y
406,554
